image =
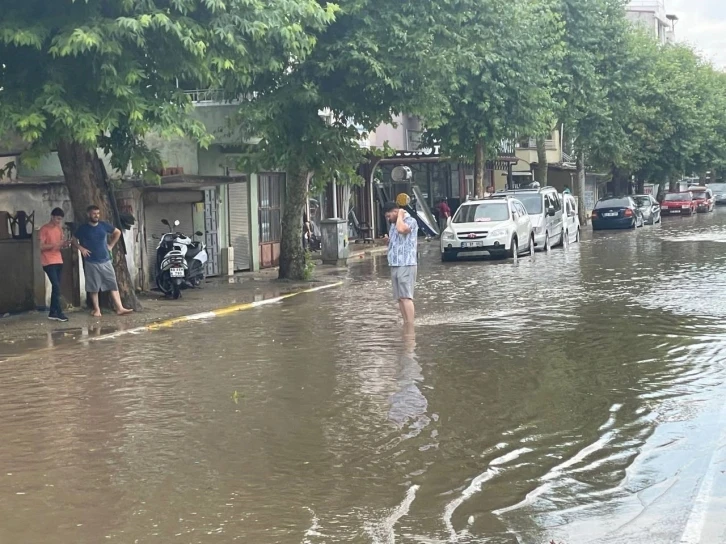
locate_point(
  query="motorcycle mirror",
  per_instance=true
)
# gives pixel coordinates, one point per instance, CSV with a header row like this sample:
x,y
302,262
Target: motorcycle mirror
x,y
176,223
199,233
165,222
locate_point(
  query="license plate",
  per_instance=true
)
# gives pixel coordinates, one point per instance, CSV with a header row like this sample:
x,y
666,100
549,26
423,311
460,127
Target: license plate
x,y
176,272
472,244
611,214
664,208
675,211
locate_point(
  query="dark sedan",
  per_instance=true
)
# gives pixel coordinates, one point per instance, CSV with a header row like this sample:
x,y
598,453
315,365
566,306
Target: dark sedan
x,y
616,213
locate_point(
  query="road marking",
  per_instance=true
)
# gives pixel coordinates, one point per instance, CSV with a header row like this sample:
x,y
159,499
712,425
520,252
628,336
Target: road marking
x,y
702,505
212,314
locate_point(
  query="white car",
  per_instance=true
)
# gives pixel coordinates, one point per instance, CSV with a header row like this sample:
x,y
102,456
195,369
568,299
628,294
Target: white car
x,y
571,220
495,226
544,206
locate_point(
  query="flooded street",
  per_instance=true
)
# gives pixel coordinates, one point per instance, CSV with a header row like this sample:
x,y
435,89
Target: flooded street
x,y
577,397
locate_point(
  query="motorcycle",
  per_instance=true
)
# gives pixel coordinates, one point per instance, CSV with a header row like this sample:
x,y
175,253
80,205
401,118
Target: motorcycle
x,y
180,261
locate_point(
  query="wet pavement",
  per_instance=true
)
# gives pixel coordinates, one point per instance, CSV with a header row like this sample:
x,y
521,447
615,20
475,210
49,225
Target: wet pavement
x,y
577,397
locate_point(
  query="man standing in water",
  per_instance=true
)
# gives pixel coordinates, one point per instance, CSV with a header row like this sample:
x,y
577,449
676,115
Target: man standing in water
x,y
93,243
402,257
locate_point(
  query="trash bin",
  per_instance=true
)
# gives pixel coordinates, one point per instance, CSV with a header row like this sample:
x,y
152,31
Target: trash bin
x,y
334,233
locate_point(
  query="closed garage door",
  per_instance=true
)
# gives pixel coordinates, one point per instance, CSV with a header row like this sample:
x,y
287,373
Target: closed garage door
x,y
239,225
154,213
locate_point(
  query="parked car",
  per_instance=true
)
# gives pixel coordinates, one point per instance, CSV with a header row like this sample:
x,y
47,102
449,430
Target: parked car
x,y
719,192
571,220
544,206
649,207
616,213
703,198
497,226
678,204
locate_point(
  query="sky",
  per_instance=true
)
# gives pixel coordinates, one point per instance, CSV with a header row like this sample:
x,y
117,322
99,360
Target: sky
x,y
702,23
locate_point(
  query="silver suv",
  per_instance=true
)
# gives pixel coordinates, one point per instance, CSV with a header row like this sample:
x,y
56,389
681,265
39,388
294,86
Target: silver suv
x,y
544,206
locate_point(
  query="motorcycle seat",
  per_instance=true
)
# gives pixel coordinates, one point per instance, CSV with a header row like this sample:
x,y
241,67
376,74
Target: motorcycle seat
x,y
193,251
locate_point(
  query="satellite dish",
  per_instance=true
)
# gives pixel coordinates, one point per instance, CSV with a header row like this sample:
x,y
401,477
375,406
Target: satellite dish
x,y
401,173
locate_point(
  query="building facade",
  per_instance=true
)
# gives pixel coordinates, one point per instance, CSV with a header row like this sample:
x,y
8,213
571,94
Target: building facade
x,y
652,16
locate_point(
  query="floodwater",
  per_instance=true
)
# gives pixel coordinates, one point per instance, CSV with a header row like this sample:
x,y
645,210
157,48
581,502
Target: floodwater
x,y
576,397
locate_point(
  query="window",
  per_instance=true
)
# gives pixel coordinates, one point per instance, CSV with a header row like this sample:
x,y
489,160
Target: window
x,y
678,197
270,211
532,202
482,213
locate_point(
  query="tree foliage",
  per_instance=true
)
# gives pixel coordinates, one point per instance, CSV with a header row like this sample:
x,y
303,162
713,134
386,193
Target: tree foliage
x,y
377,59
503,79
76,76
104,74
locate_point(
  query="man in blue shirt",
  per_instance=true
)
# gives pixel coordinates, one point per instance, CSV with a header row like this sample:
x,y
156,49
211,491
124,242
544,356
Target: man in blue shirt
x,y
92,240
402,257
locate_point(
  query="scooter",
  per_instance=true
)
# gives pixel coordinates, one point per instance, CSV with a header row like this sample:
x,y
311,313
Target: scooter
x,y
180,262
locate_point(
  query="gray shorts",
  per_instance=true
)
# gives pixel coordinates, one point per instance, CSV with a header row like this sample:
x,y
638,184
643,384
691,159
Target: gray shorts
x,y
404,279
100,277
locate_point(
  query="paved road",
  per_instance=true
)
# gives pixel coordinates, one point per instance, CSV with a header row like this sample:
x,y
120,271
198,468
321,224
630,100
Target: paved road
x,y
575,397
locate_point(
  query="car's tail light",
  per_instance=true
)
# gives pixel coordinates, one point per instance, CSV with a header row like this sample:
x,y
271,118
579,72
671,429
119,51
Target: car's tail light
x,y
594,214
628,213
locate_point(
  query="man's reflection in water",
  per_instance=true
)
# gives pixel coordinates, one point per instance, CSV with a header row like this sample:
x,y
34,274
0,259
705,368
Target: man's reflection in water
x,y
408,405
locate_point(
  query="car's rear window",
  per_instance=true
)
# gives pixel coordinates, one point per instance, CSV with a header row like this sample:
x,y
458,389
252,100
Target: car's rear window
x,y
613,203
678,197
643,201
699,194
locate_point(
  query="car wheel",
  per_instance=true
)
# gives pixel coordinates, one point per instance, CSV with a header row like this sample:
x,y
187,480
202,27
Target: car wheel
x,y
547,245
531,245
448,257
514,249
565,239
577,236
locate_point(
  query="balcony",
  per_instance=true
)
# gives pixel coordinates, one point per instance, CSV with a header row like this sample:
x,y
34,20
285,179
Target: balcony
x,y
531,143
211,97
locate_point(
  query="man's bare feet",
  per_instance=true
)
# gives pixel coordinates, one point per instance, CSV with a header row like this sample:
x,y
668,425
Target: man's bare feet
x,y
124,311
96,313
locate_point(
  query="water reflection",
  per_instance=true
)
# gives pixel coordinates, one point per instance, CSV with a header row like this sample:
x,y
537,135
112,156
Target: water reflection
x,y
574,396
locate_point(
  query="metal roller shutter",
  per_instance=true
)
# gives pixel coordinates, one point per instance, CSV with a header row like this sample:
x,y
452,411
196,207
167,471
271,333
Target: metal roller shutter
x,y
154,213
239,224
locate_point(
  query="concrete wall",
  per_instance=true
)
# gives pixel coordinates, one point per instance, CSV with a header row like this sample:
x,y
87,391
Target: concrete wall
x,y
219,122
16,276
654,23
40,198
395,136
49,165
130,201
177,153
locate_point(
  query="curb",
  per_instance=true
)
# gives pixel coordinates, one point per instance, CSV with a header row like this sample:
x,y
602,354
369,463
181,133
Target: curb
x,y
227,310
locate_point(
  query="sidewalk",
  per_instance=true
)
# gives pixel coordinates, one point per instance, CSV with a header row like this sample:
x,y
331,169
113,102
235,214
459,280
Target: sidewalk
x,y
30,329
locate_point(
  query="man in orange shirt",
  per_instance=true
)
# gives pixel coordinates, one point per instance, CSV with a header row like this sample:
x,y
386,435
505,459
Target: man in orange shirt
x,y
51,243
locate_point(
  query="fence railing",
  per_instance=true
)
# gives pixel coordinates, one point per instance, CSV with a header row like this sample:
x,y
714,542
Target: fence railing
x,y
211,96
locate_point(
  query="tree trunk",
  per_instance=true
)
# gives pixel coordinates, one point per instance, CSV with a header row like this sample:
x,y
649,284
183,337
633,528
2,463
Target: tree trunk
x,y
640,186
580,189
87,184
479,169
292,255
540,173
